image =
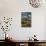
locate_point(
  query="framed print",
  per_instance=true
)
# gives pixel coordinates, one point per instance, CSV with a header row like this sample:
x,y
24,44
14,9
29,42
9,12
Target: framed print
x,y
26,19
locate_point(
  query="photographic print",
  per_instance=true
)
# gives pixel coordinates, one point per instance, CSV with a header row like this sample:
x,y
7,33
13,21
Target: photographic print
x,y
26,19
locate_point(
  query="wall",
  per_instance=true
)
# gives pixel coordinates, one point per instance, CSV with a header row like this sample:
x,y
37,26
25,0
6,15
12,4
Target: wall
x,y
13,8
45,28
